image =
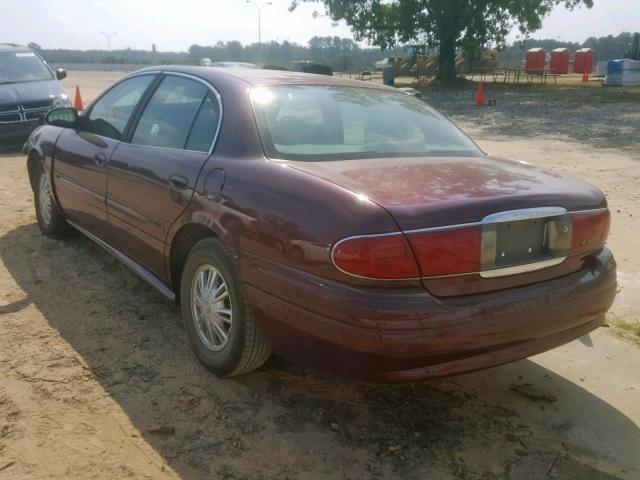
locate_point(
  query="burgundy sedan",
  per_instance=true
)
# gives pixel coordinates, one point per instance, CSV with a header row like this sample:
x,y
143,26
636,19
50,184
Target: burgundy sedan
x,y
338,223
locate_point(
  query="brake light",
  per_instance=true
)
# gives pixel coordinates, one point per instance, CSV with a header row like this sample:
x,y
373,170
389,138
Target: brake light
x,y
450,251
384,257
459,250
590,231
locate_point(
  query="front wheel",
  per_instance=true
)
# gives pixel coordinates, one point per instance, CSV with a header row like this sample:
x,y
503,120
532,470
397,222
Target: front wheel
x,y
221,327
50,218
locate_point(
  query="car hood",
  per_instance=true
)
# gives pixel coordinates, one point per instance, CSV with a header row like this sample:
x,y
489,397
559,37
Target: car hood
x,y
436,191
19,93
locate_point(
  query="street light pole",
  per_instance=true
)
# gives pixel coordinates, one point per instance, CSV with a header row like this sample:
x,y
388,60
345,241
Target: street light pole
x,y
108,37
259,7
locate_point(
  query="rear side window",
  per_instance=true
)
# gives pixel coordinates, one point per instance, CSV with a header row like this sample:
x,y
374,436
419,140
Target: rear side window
x,y
168,117
110,114
205,125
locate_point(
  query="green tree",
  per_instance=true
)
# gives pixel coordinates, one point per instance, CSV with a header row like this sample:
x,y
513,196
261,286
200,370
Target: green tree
x,y
448,25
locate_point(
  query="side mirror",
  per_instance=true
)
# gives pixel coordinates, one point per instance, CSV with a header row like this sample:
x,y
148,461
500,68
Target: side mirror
x,y
61,73
66,117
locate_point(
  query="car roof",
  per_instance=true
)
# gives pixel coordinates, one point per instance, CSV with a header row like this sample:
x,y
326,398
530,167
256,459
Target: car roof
x,y
258,76
12,47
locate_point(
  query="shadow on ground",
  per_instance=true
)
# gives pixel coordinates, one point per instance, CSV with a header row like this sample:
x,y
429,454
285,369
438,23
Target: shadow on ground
x,y
285,421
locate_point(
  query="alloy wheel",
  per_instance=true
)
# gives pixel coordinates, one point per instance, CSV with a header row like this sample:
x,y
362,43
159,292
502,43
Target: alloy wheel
x,y
211,307
45,199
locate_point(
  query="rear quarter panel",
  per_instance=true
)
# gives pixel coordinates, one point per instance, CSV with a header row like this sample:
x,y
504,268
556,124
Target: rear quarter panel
x,y
269,212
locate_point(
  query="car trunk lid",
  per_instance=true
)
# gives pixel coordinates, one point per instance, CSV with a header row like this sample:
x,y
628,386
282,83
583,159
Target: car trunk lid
x,y
516,215
438,191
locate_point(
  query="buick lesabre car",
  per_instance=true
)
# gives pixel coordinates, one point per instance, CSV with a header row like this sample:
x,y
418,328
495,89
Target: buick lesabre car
x,y
339,223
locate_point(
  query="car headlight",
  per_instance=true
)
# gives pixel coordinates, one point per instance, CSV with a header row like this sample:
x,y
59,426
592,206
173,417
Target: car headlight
x,y
60,101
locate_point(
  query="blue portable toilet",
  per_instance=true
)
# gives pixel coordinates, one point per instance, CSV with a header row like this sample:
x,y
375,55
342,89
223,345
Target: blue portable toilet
x,y
623,73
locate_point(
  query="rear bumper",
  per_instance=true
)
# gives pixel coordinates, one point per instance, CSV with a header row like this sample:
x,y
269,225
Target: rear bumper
x,y
401,336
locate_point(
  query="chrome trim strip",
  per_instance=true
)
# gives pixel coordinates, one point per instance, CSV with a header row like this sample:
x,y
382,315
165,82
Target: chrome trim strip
x,y
445,227
593,210
138,269
518,269
137,145
20,121
524,214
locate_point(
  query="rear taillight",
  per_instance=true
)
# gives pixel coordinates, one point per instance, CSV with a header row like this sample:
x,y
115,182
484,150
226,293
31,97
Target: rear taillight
x,y
450,251
383,257
491,248
590,230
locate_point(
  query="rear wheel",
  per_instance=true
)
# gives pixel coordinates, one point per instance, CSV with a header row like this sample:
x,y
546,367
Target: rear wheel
x,y
221,327
50,218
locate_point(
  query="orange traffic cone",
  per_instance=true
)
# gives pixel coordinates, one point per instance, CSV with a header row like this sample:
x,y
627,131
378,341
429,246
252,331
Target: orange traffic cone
x,y
77,103
585,77
480,95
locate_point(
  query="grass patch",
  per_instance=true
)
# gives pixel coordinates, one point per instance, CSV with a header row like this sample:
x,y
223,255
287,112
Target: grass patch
x,y
627,330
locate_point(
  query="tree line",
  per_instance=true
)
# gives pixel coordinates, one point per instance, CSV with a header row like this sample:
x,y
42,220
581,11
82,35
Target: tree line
x,y
342,54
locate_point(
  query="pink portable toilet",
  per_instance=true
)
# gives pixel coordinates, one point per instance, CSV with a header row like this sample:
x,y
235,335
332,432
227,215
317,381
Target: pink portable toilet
x,y
536,58
584,61
559,61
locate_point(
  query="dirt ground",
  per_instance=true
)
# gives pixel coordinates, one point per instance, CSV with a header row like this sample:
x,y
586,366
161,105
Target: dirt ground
x,y
97,379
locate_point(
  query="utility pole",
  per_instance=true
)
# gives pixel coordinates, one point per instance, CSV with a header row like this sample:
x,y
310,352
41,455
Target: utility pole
x,y
108,37
259,7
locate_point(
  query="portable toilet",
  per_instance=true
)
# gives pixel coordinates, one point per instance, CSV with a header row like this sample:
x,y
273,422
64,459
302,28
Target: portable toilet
x,y
560,61
536,58
584,61
623,73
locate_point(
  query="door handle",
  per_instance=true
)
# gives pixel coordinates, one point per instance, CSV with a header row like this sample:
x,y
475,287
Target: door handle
x,y
100,159
179,182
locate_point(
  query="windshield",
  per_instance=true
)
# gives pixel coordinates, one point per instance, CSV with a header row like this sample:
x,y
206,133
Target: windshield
x,y
18,67
303,122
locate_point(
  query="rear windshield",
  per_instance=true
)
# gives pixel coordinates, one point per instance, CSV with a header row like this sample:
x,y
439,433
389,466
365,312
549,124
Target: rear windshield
x,y
19,67
318,123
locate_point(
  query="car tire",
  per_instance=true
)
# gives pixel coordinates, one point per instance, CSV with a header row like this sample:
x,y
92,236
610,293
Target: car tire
x,y
50,218
208,274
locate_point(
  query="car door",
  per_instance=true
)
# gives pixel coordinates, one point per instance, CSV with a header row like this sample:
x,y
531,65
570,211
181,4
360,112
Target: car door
x,y
153,176
82,155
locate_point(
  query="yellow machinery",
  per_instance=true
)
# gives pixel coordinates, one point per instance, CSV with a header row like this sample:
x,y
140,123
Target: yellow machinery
x,y
422,64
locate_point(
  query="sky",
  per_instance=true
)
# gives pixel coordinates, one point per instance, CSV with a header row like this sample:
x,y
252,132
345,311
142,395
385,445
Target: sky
x,y
175,25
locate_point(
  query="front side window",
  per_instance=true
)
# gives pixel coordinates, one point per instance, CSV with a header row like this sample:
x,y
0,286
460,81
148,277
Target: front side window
x,y
170,114
20,67
110,114
307,122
